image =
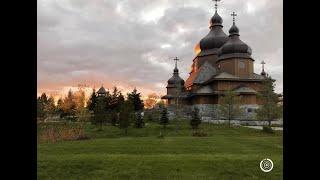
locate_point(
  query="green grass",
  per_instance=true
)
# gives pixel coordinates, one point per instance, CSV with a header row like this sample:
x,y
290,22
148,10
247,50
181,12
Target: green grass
x,y
227,153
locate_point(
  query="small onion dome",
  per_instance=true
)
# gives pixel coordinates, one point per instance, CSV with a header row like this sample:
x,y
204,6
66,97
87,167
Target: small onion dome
x,y
102,90
234,47
216,37
263,73
216,20
175,79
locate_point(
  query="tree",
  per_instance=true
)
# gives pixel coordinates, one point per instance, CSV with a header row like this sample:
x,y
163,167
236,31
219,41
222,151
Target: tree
x,y
135,99
40,108
92,101
69,106
50,107
83,116
59,107
139,120
151,101
99,112
126,111
43,98
195,119
80,99
164,120
114,105
230,106
45,106
269,110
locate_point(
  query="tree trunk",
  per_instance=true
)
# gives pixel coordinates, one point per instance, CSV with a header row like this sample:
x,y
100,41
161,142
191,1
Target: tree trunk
x,y
269,123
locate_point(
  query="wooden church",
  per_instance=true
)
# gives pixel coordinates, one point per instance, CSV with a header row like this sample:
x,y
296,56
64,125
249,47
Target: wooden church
x,y
222,62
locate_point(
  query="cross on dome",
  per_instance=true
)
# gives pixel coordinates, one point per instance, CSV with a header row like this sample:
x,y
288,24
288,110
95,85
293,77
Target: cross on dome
x,y
234,15
216,4
176,60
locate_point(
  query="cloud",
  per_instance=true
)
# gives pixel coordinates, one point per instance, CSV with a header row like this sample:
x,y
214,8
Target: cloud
x,y
132,43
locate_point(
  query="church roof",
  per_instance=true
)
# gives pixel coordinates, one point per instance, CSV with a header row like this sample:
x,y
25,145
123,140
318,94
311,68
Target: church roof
x,y
246,90
182,95
204,73
214,39
227,76
175,79
204,90
234,47
102,90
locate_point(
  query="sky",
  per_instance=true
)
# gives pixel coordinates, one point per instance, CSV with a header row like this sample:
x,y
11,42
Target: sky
x,y
132,43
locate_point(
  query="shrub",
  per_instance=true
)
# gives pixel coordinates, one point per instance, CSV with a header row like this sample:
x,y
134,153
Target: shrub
x,y
61,132
267,129
199,134
195,120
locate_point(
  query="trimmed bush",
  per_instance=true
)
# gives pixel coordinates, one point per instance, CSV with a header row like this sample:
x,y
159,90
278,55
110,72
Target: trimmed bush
x,y
267,129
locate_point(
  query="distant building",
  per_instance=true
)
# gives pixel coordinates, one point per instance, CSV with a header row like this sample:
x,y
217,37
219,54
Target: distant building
x,y
221,63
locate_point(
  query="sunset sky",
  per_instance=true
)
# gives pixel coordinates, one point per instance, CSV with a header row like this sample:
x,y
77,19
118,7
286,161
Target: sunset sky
x,y
131,43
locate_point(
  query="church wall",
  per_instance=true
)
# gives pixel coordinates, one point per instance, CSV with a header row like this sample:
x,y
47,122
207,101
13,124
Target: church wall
x,y
226,85
248,99
243,67
171,91
238,67
205,100
212,59
227,66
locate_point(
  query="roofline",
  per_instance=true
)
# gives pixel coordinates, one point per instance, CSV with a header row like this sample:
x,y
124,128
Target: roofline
x,y
229,79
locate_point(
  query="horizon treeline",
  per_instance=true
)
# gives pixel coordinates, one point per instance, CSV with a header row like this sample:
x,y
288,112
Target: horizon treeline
x,y
75,103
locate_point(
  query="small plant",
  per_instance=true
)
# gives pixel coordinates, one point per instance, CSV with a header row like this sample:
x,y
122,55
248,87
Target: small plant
x,y
139,120
164,120
199,134
195,120
267,129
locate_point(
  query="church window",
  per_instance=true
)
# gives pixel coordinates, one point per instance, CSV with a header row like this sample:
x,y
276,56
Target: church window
x,y
250,110
241,65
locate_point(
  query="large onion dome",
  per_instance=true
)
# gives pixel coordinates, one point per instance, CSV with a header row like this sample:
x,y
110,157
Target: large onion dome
x,y
215,38
234,47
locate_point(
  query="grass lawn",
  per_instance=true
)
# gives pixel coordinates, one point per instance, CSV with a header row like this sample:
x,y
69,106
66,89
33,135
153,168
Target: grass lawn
x,y
226,153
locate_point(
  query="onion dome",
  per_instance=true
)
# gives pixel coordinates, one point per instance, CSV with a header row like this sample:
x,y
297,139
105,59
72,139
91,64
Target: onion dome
x,y
175,80
234,47
216,20
215,38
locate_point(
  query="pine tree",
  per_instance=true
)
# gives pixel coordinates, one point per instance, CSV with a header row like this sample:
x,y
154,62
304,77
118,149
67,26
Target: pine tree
x,y
195,120
69,106
164,120
40,109
269,110
42,106
59,108
100,111
92,101
135,98
126,111
114,100
229,107
50,107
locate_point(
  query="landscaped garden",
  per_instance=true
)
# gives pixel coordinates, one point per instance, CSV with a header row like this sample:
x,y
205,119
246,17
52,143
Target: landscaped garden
x,y
69,151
